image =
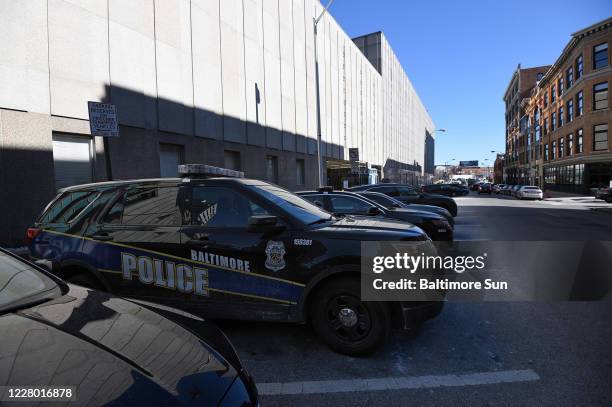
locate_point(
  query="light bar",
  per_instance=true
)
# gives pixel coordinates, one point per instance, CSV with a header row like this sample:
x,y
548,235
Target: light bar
x,y
208,170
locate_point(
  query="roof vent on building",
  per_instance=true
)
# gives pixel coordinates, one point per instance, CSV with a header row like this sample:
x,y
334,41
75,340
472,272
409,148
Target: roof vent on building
x,y
204,170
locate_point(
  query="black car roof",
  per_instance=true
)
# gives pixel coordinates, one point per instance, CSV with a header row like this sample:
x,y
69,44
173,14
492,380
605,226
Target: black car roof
x,y
119,183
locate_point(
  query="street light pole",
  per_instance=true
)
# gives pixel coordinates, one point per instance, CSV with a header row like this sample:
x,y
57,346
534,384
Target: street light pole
x,y
319,161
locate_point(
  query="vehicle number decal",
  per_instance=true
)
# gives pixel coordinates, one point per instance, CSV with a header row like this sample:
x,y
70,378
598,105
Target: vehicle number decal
x,y
302,242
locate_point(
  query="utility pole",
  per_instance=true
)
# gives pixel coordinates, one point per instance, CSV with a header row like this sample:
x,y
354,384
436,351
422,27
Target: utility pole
x,y
319,160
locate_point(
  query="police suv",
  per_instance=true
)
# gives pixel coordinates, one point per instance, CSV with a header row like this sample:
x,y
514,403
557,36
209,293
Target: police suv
x,y
224,247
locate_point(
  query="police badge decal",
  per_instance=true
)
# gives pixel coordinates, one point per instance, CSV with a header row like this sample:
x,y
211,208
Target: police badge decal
x,y
276,255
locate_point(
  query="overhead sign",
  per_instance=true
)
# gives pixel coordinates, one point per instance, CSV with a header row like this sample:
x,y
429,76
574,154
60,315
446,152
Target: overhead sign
x,y
468,163
353,154
103,119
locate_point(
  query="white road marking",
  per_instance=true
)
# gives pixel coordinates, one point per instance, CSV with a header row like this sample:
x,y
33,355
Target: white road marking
x,y
396,383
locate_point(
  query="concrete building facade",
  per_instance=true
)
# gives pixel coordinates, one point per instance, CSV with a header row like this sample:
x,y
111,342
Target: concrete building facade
x,y
222,82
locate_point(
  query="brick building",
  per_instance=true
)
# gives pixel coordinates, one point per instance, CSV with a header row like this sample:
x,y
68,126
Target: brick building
x,y
518,163
561,141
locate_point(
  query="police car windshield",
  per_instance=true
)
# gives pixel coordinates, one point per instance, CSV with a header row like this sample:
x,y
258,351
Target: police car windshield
x,y
22,285
295,205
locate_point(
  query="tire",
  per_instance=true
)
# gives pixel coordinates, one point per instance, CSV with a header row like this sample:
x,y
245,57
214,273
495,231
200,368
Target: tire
x,y
85,279
609,199
371,320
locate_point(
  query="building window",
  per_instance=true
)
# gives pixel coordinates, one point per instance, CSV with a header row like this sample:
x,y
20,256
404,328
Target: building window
x,y
72,160
553,149
560,118
600,56
579,103
300,172
579,145
553,94
579,67
600,137
232,160
539,76
272,169
536,124
546,99
546,152
569,77
600,96
545,125
570,110
570,144
561,147
553,121
561,88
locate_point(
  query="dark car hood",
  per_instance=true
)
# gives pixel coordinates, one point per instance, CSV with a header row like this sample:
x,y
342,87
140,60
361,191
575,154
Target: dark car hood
x,y
372,228
425,215
435,196
114,351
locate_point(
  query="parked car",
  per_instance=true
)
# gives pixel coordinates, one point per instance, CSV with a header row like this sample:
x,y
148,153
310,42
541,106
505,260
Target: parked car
x,y
225,247
409,194
497,188
342,203
475,186
507,190
529,192
485,188
605,194
514,190
391,203
446,189
113,351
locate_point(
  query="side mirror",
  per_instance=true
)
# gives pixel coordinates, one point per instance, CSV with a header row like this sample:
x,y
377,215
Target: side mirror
x,y
264,223
373,211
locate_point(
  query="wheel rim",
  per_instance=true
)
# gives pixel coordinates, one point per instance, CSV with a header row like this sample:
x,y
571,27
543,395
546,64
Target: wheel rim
x,y
348,318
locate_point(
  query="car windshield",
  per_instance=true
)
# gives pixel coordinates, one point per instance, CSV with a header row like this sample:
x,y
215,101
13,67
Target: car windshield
x,y
22,285
384,200
298,207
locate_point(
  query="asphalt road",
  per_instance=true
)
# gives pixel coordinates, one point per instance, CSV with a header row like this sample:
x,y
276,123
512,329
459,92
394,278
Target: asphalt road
x,y
557,354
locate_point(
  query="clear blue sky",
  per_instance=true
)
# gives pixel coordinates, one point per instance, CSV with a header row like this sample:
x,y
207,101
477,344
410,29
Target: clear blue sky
x,y
460,55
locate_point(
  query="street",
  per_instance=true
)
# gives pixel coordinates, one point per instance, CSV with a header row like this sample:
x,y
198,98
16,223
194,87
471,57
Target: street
x,y
472,354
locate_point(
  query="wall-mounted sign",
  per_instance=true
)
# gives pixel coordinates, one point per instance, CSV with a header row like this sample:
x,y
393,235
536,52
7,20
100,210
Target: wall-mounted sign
x,y
353,154
103,119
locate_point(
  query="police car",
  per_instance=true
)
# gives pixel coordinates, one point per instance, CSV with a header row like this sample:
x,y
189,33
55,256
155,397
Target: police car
x,y
224,247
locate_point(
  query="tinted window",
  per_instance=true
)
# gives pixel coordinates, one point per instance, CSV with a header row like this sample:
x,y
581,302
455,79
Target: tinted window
x,y
382,200
20,283
152,205
293,204
407,191
348,204
222,207
389,190
68,206
314,199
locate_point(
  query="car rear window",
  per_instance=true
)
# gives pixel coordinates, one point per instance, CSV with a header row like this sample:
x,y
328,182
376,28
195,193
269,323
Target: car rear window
x,y
67,206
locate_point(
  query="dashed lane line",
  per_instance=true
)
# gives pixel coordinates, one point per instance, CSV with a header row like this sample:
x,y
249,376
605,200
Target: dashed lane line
x,y
396,383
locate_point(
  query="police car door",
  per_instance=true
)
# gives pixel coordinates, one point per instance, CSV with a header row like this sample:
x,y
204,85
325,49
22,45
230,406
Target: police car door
x,y
241,261
135,243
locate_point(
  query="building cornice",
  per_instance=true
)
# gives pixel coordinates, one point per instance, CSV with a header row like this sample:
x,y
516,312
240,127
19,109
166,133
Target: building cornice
x,y
572,44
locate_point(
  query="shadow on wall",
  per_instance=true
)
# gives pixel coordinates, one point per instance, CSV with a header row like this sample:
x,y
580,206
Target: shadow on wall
x,y
27,171
175,119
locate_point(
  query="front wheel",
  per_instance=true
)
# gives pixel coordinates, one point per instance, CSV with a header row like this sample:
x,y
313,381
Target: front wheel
x,y
346,323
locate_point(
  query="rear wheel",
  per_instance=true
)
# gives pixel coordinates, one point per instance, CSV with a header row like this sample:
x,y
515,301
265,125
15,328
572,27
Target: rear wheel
x,y
609,199
347,324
